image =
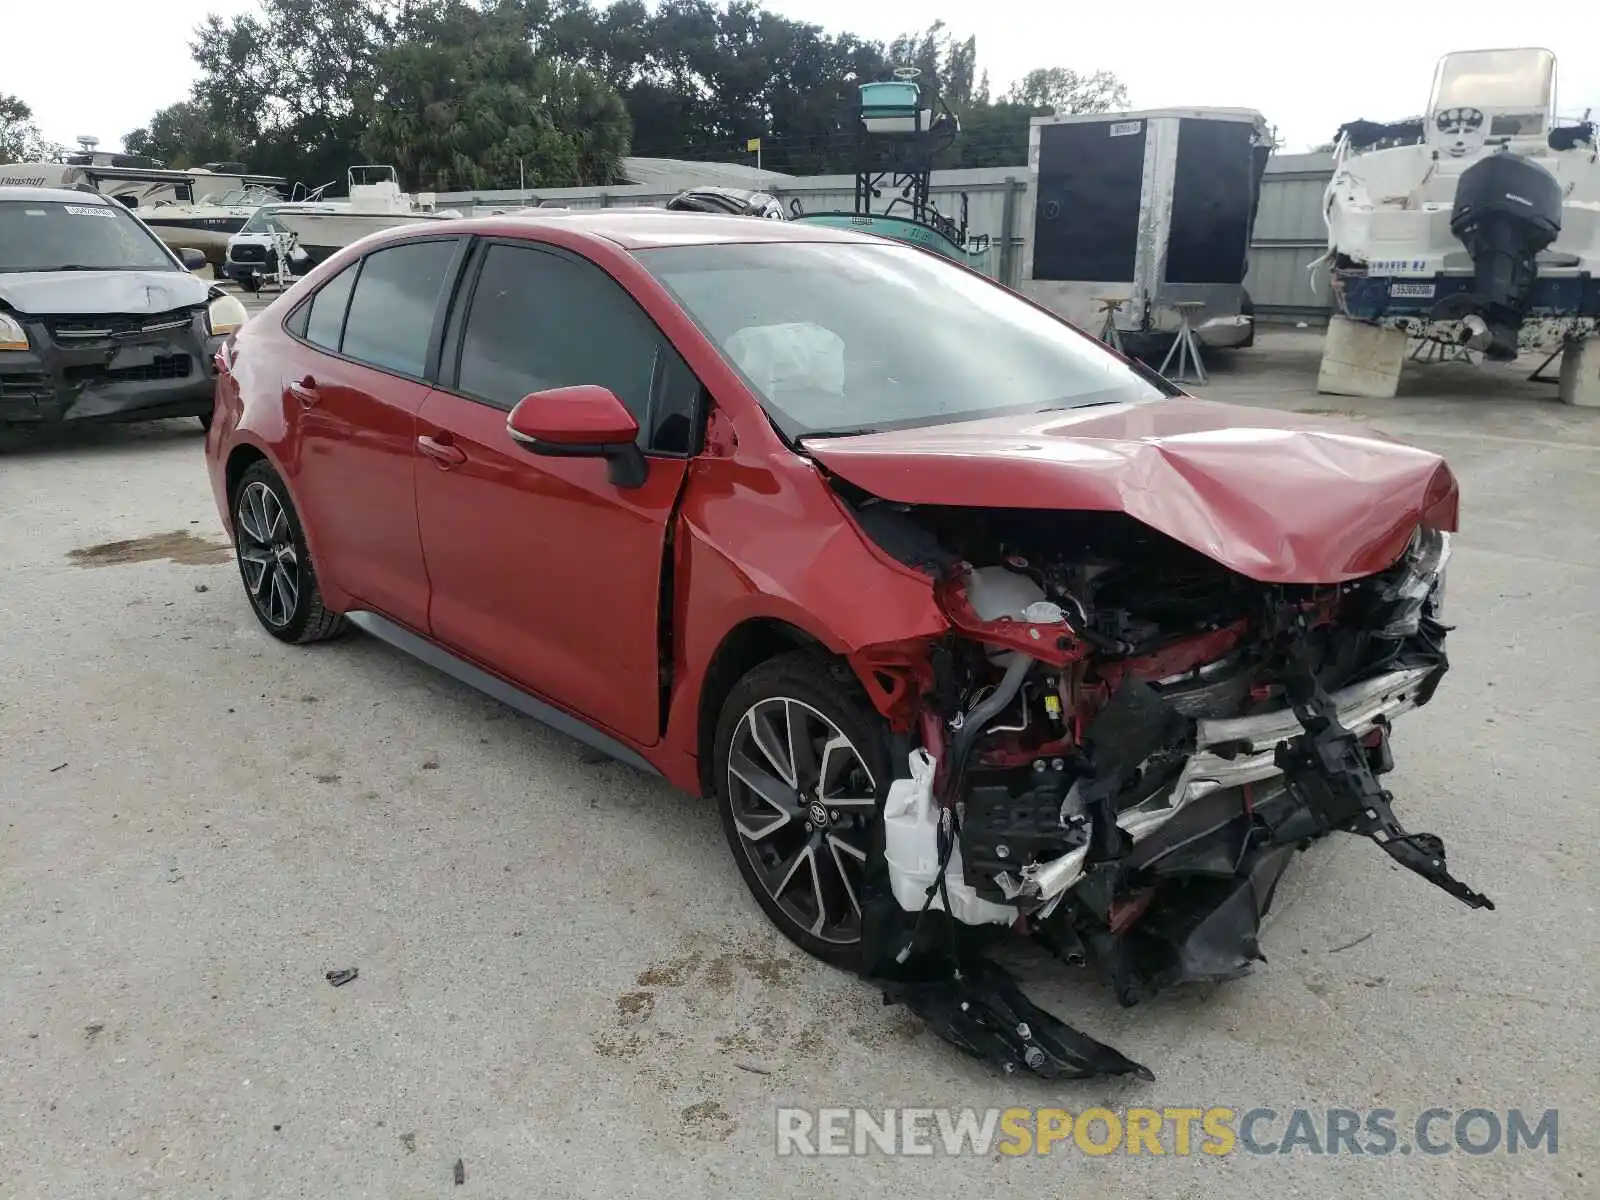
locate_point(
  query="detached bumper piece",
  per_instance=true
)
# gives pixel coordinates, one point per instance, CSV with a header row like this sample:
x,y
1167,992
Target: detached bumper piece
x,y
1335,776
978,1008
934,965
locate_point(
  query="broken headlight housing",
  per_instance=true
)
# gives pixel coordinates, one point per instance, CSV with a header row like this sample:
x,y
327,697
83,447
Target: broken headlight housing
x,y
1414,587
224,315
12,335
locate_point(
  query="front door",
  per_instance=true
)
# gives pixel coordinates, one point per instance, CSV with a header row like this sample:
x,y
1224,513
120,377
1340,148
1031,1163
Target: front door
x,y
542,569
351,391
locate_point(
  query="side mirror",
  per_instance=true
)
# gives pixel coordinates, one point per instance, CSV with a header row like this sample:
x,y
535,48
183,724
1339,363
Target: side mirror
x,y
586,421
193,259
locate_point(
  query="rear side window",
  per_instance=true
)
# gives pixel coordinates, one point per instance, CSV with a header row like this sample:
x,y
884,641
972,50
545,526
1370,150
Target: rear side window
x,y
326,319
539,320
396,299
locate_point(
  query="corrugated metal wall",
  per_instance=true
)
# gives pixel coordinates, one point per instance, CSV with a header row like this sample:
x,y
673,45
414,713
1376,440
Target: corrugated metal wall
x,y
1289,236
1289,233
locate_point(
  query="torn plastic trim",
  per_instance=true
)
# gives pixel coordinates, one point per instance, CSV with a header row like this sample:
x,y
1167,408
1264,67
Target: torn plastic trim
x,y
1234,751
1419,588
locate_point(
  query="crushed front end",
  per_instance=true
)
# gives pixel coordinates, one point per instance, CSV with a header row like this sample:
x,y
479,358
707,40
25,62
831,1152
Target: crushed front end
x,y
1118,748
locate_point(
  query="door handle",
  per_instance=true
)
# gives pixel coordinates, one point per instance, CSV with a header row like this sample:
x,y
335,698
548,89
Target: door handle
x,y
447,453
305,391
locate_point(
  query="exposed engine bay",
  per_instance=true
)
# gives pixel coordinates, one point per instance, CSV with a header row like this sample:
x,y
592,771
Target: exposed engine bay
x,y
1116,751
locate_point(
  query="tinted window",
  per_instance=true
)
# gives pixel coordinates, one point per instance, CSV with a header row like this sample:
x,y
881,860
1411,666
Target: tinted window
x,y
298,320
540,321
327,309
392,311
674,403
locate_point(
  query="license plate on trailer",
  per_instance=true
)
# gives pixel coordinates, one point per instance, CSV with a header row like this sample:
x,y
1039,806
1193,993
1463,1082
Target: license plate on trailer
x,y
1423,291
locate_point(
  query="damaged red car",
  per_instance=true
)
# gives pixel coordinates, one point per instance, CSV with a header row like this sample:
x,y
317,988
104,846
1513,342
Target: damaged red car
x,y
970,626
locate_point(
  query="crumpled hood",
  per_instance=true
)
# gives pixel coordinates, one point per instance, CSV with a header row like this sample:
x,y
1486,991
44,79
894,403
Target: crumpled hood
x,y
97,293
1279,497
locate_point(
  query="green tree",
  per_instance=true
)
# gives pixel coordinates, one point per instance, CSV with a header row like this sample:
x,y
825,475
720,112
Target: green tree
x,y
465,102
474,93
1064,91
20,139
185,134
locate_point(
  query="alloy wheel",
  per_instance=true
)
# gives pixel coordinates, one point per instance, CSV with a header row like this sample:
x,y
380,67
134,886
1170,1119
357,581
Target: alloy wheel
x,y
803,801
268,557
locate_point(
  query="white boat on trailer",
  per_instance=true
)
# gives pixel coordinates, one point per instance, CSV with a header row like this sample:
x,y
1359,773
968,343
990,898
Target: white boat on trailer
x,y
1476,227
374,202
207,222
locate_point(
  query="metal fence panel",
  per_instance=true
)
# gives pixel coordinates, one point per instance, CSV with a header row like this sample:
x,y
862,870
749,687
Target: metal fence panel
x,y
1289,232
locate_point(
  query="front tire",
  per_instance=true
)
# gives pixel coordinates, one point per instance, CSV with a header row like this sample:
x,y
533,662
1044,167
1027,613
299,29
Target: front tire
x,y
274,564
802,769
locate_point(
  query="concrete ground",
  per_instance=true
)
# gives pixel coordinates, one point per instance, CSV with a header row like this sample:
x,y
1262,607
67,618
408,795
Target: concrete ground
x,y
563,983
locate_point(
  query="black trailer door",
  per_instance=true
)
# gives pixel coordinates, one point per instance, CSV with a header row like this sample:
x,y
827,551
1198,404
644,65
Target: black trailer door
x,y
1214,189
1086,216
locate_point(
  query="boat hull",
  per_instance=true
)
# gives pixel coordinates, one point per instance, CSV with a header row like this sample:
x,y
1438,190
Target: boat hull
x,y
1561,308
322,235
209,235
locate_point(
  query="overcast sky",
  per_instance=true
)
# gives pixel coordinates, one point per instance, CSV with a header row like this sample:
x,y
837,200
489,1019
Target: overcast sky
x,y
102,67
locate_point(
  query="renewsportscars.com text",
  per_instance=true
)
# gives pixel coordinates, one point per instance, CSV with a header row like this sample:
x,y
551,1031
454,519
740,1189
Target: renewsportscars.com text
x,y
1165,1131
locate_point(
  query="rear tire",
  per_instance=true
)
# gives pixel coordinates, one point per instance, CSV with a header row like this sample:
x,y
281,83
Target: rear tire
x,y
802,768
274,563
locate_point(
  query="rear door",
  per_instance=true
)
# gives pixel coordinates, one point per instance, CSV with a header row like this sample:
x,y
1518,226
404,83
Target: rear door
x,y
369,338
542,569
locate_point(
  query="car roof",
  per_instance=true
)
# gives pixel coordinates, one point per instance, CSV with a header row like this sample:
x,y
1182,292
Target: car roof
x,y
648,228
54,195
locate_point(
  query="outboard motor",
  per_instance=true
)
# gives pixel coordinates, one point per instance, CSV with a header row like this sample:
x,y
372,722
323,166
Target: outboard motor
x,y
1507,209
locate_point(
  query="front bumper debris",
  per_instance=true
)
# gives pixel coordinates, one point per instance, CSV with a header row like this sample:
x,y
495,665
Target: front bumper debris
x,y
1336,777
1238,751
1172,889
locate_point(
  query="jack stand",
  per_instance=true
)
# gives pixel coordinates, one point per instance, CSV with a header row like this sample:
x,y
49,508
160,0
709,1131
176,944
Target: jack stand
x,y
1431,351
1539,376
1186,346
1111,306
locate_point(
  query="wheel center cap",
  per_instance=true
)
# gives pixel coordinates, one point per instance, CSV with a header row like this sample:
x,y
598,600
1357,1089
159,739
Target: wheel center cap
x,y
817,812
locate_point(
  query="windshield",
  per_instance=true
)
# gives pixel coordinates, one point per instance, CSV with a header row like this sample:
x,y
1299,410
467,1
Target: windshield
x,y
50,235
1516,86
848,337
263,220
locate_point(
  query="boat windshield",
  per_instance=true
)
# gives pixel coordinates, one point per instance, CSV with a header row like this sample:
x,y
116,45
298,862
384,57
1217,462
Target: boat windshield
x,y
264,220
50,235
845,337
1514,88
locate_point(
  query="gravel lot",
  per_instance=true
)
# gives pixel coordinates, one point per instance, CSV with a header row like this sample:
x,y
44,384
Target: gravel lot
x,y
560,971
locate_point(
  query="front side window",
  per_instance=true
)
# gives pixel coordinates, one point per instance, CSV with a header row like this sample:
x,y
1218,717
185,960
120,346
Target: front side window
x,y
392,310
846,337
52,235
539,320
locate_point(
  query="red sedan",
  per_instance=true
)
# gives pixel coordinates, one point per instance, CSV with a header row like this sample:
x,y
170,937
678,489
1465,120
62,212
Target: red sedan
x,y
967,623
